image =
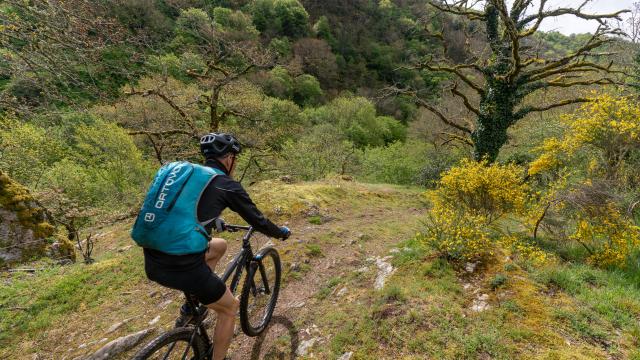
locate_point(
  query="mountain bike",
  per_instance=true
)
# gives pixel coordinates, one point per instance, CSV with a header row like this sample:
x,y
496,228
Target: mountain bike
x,y
257,302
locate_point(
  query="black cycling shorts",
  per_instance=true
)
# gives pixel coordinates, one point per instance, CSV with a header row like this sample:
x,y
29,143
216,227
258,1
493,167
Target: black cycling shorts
x,y
196,279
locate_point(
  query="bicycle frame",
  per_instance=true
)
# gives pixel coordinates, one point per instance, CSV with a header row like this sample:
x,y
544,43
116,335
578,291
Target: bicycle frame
x,y
244,257
235,267
240,262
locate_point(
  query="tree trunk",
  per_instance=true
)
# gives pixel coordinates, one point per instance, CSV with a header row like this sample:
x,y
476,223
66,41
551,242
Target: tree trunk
x,y
496,115
213,108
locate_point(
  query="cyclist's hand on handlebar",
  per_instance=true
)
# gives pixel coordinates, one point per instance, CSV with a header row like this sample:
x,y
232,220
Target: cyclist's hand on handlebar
x,y
285,232
220,225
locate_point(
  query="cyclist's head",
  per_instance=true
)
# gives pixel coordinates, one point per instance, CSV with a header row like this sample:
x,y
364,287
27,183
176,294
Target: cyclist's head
x,y
222,147
219,145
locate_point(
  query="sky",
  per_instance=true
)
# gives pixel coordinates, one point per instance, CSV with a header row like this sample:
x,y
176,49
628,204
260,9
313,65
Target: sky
x,y
569,24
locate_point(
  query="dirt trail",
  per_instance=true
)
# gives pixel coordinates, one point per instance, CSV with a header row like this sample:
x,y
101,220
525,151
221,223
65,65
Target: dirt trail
x,y
349,241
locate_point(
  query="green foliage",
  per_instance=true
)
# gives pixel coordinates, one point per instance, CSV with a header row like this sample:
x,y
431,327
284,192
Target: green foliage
x,y
356,118
319,153
307,90
314,250
397,163
143,16
322,29
280,18
304,89
281,46
175,66
498,281
88,161
27,151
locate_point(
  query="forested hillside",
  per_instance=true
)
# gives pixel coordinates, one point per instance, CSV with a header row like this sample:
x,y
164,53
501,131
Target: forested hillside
x,y
490,167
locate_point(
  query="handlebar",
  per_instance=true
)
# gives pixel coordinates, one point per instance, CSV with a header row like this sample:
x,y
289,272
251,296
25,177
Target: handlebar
x,y
234,228
221,226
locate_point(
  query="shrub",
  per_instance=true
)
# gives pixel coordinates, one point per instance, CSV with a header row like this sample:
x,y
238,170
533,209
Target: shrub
x,y
355,118
397,163
610,239
320,153
605,132
486,190
280,17
27,151
498,281
525,249
456,235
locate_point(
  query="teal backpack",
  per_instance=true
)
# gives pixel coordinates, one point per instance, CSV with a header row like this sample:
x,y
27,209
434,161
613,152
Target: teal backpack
x,y
168,220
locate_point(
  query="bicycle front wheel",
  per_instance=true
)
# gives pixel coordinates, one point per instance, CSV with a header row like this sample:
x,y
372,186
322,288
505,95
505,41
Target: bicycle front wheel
x,y
180,343
260,292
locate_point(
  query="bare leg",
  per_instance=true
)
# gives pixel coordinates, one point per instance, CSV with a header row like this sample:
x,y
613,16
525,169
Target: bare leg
x,y
226,308
217,248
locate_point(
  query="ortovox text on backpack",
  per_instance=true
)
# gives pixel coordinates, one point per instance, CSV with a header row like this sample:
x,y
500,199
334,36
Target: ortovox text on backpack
x,y
168,220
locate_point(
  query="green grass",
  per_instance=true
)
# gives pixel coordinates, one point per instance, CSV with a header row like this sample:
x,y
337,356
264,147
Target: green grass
x,y
328,288
31,304
315,220
314,250
498,281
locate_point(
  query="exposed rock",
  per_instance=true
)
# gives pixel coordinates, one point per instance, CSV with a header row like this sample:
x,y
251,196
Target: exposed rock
x,y
346,356
287,179
480,304
125,248
164,304
341,292
303,348
312,210
25,226
470,267
118,325
120,345
294,267
154,321
384,271
298,304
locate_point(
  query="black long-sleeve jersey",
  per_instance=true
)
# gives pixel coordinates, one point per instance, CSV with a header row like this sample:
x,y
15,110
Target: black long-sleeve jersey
x,y
223,192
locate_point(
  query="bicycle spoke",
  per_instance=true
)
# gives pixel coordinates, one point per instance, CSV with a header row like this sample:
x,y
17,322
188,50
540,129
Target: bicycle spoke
x,y
265,281
166,356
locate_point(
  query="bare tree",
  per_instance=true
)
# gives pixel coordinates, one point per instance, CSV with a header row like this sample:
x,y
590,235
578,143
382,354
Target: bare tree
x,y
55,47
494,85
631,24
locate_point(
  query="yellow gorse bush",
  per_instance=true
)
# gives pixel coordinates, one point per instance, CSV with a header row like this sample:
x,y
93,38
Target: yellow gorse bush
x,y
597,146
609,238
606,129
456,235
479,188
525,250
469,198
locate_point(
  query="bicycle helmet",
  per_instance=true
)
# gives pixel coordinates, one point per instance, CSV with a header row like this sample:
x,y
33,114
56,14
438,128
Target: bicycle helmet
x,y
219,144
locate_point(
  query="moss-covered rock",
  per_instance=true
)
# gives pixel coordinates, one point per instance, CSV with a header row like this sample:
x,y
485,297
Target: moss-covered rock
x,y
26,231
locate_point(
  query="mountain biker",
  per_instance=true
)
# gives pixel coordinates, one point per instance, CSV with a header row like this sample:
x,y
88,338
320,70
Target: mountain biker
x,y
195,273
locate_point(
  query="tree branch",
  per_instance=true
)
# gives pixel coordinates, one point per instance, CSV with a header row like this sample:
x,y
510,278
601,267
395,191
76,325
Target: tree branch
x,y
465,100
530,109
456,70
457,8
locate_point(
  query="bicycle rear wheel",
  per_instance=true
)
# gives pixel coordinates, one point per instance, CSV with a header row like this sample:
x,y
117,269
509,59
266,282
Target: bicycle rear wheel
x,y
260,292
176,344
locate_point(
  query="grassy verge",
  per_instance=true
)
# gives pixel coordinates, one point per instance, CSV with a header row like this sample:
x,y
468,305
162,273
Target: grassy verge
x,y
560,311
